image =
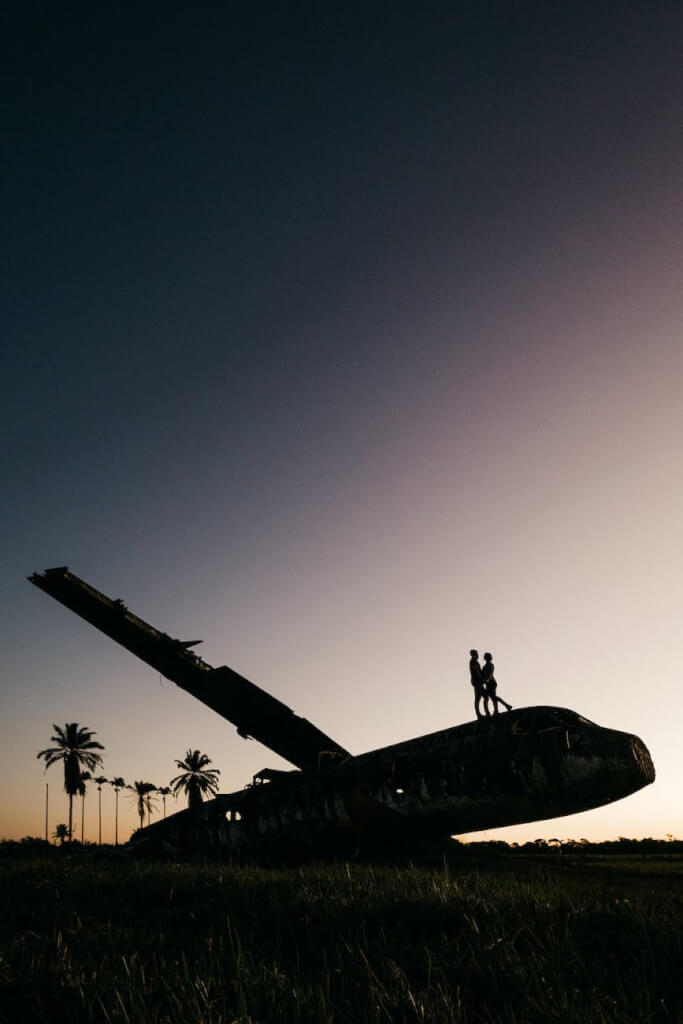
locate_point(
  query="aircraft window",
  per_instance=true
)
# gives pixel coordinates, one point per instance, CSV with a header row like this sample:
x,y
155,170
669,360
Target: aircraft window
x,y
537,720
402,772
574,739
547,720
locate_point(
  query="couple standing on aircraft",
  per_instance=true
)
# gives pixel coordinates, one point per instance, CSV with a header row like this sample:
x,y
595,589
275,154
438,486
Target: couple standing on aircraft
x,y
485,685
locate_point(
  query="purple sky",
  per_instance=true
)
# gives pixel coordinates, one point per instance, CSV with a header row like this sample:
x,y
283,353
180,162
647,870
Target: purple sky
x,y
345,337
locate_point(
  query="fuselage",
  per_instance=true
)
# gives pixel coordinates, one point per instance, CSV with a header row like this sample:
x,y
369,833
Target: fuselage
x,y
525,765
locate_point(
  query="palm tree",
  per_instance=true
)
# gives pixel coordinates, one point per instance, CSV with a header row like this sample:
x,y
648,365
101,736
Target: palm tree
x,y
85,777
196,779
164,791
99,780
61,833
143,798
118,783
151,802
75,746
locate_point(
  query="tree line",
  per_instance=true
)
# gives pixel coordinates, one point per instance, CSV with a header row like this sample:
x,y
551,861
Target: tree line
x,y
75,747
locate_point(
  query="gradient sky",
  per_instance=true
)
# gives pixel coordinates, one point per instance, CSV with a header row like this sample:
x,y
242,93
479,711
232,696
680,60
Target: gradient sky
x,y
345,337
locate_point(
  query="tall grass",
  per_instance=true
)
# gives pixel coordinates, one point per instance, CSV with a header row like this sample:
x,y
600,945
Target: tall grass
x,y
144,942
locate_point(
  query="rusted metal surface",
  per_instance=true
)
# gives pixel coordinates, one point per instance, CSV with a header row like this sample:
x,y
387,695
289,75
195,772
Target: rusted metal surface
x,y
526,765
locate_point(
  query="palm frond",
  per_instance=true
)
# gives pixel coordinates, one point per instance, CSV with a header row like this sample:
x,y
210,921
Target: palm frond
x,y
75,746
195,778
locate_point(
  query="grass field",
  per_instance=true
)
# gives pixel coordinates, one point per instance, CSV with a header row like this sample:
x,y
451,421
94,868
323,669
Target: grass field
x,y
493,940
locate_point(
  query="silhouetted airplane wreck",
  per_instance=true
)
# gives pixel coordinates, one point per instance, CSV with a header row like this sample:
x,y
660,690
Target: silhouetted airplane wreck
x,y
529,764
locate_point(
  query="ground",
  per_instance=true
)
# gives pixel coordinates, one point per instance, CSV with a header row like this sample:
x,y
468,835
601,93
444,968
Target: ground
x,y
472,937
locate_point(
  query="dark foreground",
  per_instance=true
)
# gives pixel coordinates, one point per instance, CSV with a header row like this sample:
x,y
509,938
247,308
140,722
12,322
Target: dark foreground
x,y
86,939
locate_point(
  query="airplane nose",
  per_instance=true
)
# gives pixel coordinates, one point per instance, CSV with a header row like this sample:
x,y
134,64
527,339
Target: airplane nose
x,y
642,758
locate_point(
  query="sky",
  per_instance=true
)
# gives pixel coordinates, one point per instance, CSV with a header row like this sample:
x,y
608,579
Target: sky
x,y
345,337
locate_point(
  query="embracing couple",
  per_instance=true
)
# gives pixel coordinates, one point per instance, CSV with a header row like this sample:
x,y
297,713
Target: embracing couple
x,y
485,685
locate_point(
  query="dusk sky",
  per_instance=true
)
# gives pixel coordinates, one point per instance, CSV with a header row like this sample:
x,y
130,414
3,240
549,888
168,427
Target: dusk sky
x,y
344,337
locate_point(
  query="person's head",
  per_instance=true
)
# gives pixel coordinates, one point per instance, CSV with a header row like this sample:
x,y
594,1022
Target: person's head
x,y
487,656
474,654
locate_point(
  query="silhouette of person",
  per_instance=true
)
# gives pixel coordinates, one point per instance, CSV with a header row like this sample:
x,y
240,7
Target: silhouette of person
x,y
477,680
490,684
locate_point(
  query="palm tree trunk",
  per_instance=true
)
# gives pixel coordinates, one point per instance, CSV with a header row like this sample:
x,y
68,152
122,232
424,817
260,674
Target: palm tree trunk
x,y
47,788
99,802
116,820
83,820
71,817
